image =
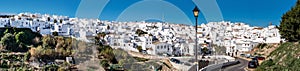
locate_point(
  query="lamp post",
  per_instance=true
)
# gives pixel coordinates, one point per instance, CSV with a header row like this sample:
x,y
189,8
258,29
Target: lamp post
x,y
196,13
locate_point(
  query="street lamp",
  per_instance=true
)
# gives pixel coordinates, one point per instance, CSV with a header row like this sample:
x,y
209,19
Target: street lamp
x,y
196,13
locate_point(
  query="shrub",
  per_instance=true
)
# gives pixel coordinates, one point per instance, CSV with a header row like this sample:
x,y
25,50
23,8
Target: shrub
x,y
104,63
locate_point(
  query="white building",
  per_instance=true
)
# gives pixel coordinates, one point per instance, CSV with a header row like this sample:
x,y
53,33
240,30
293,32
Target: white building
x,y
161,48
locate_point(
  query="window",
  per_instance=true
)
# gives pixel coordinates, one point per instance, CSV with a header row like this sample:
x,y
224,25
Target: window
x,y
52,27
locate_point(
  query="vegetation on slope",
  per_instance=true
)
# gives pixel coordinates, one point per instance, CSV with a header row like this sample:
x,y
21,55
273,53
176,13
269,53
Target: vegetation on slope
x,y
285,57
32,46
118,59
17,39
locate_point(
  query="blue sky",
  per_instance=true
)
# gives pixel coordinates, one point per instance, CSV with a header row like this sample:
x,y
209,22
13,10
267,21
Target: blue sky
x,y
253,12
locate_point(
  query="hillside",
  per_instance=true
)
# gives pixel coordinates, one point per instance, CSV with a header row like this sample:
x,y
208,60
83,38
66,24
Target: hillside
x,y
284,58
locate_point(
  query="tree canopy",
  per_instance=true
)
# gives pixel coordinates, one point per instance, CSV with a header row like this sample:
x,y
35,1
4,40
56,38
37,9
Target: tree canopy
x,y
9,42
23,37
290,24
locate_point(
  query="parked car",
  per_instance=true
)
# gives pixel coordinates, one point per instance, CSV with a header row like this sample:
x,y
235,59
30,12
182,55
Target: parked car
x,y
166,55
255,60
260,57
187,64
175,60
243,55
248,55
50,63
252,64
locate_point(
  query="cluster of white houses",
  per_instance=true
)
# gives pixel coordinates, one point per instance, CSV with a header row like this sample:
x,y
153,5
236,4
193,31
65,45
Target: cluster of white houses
x,y
238,37
161,38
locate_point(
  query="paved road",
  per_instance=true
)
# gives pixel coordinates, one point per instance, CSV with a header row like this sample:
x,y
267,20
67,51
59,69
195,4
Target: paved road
x,y
239,67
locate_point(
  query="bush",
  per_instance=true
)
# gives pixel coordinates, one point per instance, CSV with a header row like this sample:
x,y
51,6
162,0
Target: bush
x,y
23,37
4,64
27,56
51,68
140,48
104,63
9,42
55,33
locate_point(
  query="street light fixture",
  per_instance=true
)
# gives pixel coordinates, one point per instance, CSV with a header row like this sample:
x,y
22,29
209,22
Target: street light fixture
x,y
196,13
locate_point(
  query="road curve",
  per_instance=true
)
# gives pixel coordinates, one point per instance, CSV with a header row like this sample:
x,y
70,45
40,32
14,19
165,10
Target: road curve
x,y
239,67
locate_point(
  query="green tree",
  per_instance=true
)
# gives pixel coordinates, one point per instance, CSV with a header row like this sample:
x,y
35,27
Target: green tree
x,y
108,27
140,48
9,42
22,37
204,50
55,33
290,24
60,21
104,63
55,21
